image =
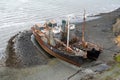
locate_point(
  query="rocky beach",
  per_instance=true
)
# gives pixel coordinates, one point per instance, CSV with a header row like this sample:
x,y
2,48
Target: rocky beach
x,y
23,53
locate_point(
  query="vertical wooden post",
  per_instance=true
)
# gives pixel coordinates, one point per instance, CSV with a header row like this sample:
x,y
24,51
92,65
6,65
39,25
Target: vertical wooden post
x,y
83,30
68,31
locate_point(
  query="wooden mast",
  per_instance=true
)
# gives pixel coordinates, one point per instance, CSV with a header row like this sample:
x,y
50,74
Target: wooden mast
x,y
83,31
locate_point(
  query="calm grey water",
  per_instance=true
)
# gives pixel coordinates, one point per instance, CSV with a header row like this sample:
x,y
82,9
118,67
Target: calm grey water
x,y
18,15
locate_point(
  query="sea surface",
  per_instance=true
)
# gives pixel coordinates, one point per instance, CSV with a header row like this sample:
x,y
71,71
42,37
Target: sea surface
x,y
19,15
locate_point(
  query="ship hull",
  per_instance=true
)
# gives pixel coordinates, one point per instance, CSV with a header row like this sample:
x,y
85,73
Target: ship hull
x,y
75,60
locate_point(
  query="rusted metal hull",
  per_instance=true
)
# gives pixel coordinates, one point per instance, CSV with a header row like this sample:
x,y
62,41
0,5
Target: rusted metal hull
x,y
76,60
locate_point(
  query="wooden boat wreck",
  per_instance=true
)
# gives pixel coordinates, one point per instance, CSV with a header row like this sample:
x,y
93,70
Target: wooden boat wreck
x,y
62,42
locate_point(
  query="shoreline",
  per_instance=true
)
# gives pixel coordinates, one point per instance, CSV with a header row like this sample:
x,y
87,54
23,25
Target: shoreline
x,y
98,31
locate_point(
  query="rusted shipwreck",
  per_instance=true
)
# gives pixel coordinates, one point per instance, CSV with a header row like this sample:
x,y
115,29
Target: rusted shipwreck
x,y
61,42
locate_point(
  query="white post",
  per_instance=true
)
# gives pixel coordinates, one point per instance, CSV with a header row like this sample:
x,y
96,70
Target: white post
x,y
68,31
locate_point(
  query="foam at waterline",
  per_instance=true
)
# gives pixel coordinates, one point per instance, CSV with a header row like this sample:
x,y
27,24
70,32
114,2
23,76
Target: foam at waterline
x,y
2,53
